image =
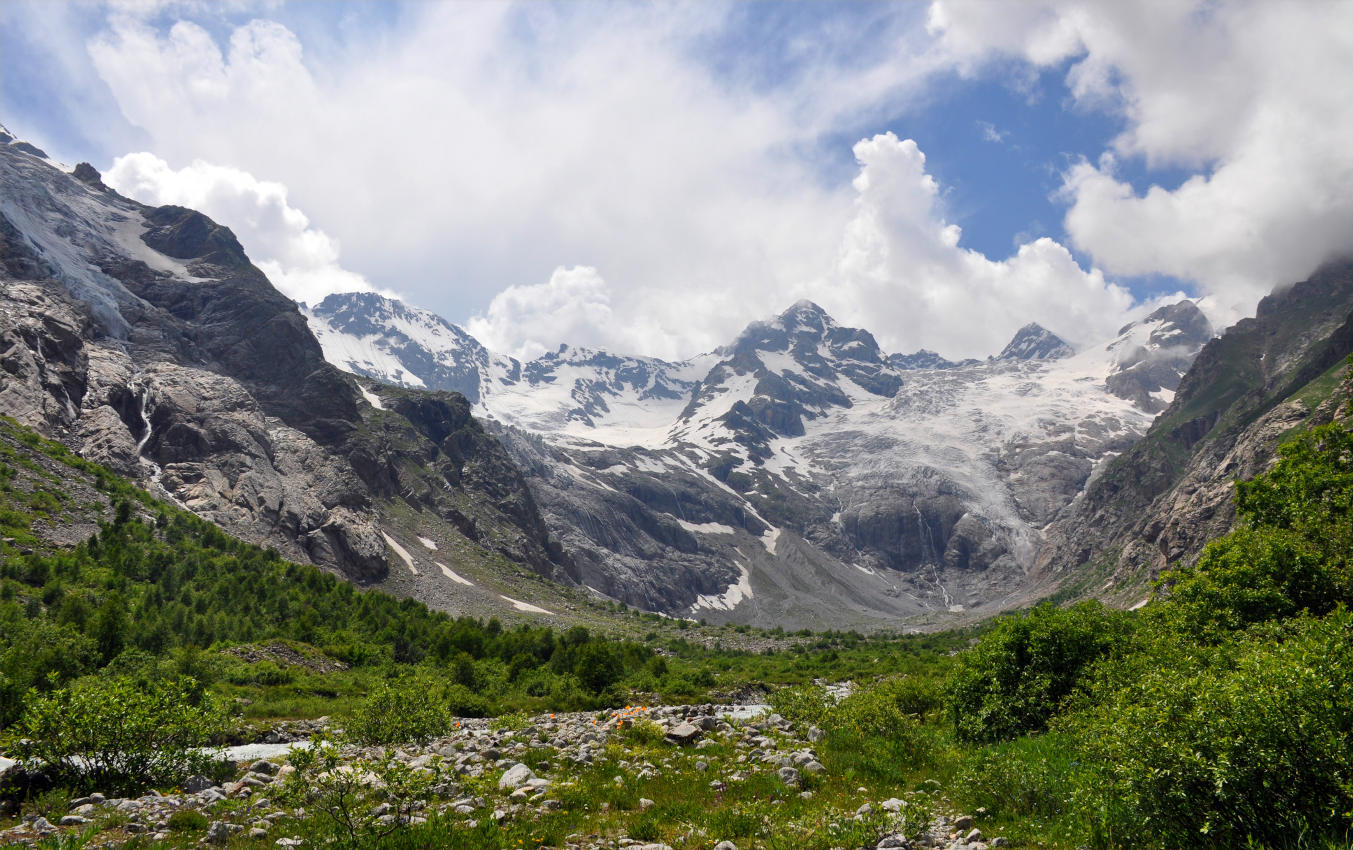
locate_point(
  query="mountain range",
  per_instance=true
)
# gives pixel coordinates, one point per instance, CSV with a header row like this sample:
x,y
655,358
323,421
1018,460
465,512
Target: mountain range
x,y
799,476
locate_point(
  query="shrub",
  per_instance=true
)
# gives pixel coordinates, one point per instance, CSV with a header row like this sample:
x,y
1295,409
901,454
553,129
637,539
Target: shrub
x,y
412,709
801,703
598,667
1255,746
642,732
1020,673
346,792
188,820
873,721
116,735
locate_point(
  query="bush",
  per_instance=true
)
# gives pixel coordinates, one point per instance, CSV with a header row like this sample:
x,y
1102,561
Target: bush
x,y
188,820
872,720
412,709
116,735
345,793
1255,746
801,703
1019,674
1032,775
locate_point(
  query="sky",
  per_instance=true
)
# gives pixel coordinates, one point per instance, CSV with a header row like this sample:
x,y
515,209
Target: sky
x,y
651,177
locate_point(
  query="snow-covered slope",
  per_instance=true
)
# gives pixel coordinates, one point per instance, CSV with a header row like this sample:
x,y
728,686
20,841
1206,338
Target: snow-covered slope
x,y
799,475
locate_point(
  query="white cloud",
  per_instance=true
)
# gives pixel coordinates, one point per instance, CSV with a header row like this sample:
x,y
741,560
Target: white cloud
x,y
467,152
991,134
1252,96
527,321
903,273
469,148
300,260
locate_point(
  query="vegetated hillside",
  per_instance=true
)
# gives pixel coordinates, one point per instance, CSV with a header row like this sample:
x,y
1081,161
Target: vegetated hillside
x,y
143,338
799,476
97,578
1165,497
1219,715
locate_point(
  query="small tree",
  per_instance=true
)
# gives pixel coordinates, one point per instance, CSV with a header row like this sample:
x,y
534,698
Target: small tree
x,y
116,735
347,792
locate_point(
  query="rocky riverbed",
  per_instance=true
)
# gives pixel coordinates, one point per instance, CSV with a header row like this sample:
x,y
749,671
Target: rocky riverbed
x,y
529,770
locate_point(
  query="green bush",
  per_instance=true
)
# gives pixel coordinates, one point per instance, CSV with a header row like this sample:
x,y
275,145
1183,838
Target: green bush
x,y
1031,775
117,735
344,793
1291,554
1254,744
188,820
806,704
412,709
873,720
1020,674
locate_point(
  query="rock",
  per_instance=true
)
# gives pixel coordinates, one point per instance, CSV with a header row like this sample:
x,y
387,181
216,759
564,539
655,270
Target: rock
x,y
516,776
218,832
963,822
645,804
999,841
892,804
684,734
814,766
264,767
725,845
197,783
896,841
974,835
258,833
73,820
788,776
41,824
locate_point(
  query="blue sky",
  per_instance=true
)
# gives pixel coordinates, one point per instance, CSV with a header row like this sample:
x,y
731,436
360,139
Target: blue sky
x,y
652,177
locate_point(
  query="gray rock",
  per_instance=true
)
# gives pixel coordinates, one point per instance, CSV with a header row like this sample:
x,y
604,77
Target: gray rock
x,y
974,835
516,776
218,832
264,767
963,822
684,734
197,783
895,841
788,776
73,820
725,845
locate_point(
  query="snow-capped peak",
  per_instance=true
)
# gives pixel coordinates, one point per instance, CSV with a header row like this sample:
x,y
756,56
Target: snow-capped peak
x,y
1035,342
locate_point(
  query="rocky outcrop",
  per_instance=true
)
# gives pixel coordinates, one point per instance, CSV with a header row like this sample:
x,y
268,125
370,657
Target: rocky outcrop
x,y
145,339
1160,501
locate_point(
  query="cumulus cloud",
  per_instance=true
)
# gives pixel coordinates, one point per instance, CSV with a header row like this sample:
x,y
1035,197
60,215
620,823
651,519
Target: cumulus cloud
x,y
300,260
527,321
468,152
1251,96
902,272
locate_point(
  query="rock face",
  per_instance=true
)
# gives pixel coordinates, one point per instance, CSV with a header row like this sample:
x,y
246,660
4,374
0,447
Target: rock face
x,y
1167,495
799,476
145,339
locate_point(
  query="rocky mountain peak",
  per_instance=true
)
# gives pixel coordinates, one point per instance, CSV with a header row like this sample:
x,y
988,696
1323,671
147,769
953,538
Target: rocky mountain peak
x,y
90,176
1035,342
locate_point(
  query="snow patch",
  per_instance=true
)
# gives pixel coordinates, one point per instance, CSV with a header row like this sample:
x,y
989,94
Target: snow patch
x,y
769,539
707,527
371,398
526,606
453,575
730,598
428,544
401,552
